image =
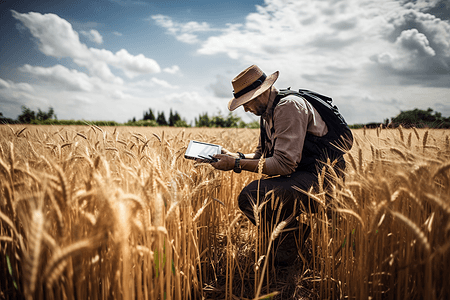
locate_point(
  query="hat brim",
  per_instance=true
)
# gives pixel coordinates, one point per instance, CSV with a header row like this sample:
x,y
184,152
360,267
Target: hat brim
x,y
236,102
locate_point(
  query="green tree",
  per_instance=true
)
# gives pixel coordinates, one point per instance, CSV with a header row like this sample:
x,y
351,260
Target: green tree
x,y
161,119
27,115
219,121
421,118
42,116
232,120
252,125
203,121
173,118
181,123
149,115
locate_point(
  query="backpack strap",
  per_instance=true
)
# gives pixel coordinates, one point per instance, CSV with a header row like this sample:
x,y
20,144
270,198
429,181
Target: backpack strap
x,y
263,133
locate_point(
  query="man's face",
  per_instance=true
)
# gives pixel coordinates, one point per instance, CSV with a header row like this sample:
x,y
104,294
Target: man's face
x,y
258,105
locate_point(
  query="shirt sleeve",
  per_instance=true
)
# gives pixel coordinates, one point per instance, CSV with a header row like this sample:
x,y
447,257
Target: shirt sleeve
x,y
291,118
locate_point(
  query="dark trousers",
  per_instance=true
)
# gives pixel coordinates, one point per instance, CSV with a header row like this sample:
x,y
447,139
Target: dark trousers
x,y
282,188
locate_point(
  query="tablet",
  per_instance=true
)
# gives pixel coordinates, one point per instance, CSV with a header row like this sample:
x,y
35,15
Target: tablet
x,y
200,150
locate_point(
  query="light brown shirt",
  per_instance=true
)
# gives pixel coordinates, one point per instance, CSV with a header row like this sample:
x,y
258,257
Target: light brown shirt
x,y
292,118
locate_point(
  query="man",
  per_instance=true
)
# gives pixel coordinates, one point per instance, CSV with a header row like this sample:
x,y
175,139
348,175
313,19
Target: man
x,y
284,128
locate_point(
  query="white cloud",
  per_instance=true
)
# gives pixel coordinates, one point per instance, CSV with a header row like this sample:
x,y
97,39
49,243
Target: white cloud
x,y
131,65
117,33
172,70
183,32
188,104
4,84
58,39
56,36
93,35
316,40
222,87
164,83
412,40
153,83
61,76
15,87
411,51
13,95
83,98
417,49
188,38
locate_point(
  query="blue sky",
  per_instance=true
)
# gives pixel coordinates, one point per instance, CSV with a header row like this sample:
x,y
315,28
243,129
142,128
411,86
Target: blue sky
x,y
112,60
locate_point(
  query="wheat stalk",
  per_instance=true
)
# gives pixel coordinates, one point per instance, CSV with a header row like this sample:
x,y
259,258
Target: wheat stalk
x,y
275,233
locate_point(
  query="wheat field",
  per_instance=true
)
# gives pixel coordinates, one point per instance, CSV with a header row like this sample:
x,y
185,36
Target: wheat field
x,y
90,212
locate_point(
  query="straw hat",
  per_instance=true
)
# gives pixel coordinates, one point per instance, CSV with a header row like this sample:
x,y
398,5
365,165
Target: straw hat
x,y
249,84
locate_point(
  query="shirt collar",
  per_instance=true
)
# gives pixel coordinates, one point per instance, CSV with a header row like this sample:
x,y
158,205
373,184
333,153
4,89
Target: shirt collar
x,y
267,115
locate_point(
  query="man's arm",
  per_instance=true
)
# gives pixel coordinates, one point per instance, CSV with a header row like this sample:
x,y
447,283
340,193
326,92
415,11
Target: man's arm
x,y
236,155
227,162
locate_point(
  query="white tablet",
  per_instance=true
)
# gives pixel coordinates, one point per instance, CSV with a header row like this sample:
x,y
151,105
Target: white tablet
x,y
200,150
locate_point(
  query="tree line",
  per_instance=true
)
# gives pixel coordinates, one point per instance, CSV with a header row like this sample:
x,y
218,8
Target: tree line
x,y
411,118
149,118
203,120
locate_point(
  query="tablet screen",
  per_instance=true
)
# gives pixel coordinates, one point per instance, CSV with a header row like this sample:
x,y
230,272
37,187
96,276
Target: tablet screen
x,y
201,150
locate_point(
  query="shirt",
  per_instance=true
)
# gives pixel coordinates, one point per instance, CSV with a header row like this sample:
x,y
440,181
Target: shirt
x,y
292,118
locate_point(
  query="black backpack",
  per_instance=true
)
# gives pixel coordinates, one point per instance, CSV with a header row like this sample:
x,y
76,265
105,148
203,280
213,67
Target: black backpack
x,y
333,145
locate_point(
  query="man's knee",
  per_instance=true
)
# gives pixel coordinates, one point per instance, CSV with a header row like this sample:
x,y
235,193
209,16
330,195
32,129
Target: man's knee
x,y
246,197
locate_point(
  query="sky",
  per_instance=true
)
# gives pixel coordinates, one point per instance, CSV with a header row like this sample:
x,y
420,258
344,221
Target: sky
x,y
115,59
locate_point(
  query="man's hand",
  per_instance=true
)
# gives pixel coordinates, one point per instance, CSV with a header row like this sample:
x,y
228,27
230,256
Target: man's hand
x,y
225,151
225,163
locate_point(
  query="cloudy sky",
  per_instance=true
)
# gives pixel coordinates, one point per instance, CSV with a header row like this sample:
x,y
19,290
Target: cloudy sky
x,y
115,59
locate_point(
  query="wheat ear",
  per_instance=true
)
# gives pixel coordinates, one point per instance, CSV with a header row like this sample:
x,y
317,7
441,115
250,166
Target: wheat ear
x,y
200,211
409,140
416,133
64,185
32,259
414,229
58,262
398,152
261,162
20,131
442,171
352,213
400,129
255,212
158,219
352,162
424,141
8,221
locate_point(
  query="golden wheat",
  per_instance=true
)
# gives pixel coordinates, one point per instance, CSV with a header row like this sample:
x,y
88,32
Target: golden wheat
x,y
117,213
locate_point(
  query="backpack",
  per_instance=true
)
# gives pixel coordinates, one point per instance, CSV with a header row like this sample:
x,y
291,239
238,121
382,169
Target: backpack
x,y
333,145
